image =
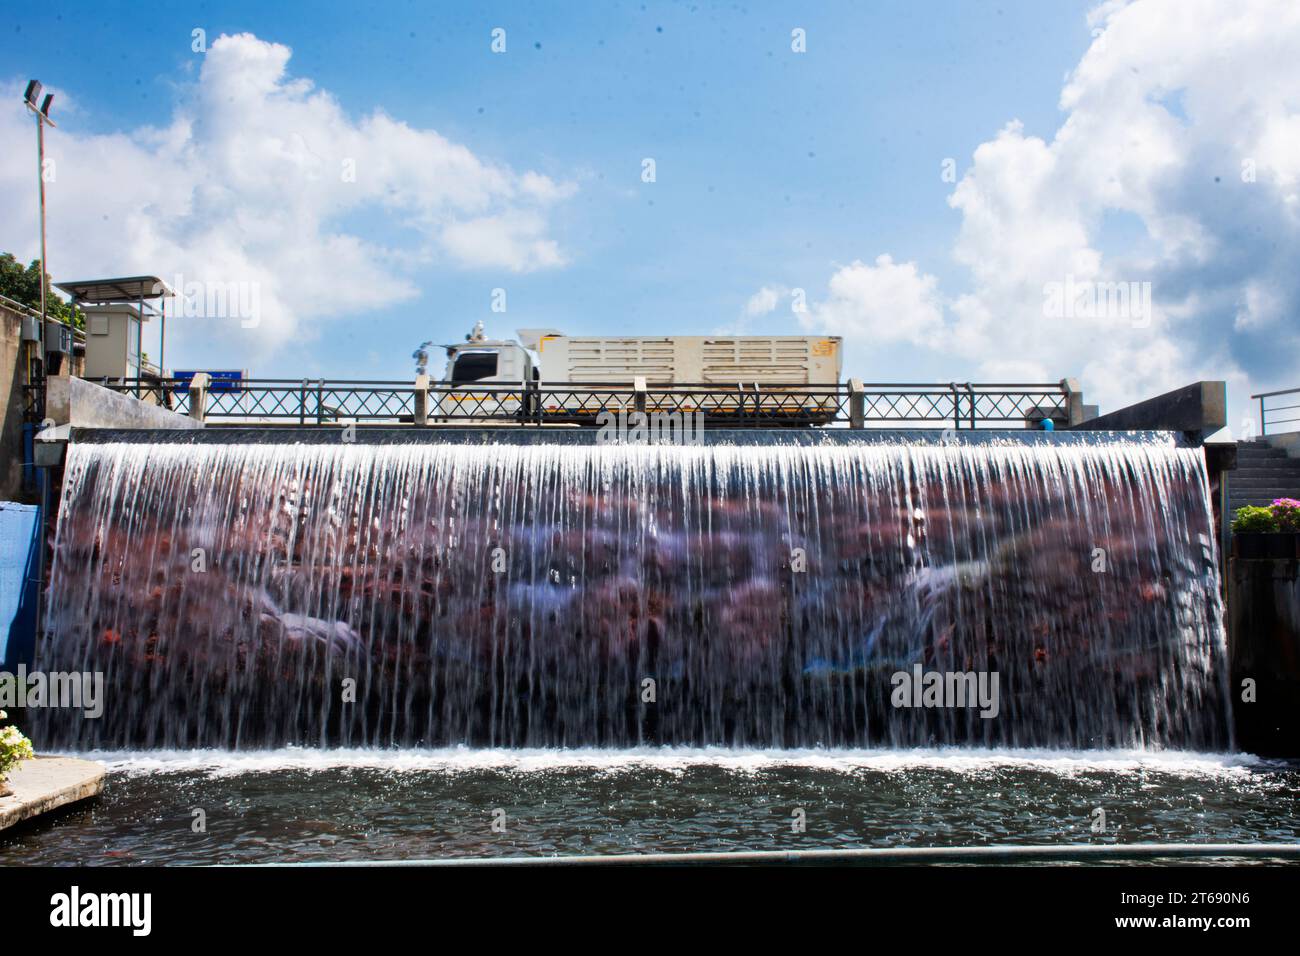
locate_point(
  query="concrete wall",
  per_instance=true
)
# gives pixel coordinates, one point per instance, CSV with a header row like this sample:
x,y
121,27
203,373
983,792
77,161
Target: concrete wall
x,y
82,404
1199,409
1289,442
13,375
11,393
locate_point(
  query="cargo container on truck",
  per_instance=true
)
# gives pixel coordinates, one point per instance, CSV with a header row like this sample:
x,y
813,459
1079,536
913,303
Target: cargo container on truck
x,y
752,368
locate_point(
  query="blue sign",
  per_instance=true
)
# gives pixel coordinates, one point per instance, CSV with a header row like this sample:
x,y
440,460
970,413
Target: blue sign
x,y
221,381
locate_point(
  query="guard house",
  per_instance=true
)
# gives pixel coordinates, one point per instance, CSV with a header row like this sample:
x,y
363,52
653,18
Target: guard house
x,y
116,311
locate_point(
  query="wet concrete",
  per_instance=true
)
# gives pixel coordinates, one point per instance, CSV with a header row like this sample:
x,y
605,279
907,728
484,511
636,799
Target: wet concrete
x,y
47,783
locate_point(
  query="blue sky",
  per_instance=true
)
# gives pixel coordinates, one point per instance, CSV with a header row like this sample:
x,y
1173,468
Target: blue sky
x,y
774,169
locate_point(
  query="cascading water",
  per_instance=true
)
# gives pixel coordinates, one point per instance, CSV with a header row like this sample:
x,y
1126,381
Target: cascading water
x,y
562,593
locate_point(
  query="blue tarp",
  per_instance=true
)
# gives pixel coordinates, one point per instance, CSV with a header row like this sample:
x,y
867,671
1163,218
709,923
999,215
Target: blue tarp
x,y
19,583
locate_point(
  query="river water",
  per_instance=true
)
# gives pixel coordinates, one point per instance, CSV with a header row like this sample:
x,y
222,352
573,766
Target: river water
x,y
295,805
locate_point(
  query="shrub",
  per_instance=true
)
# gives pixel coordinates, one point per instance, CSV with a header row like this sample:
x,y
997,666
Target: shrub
x,y
1253,519
13,748
1287,513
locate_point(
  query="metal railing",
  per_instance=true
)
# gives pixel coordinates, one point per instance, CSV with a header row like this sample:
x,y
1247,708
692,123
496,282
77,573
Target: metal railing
x,y
13,305
332,401
1265,411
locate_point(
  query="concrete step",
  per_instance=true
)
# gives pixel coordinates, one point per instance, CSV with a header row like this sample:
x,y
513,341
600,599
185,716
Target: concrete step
x,y
1256,480
1268,464
1247,453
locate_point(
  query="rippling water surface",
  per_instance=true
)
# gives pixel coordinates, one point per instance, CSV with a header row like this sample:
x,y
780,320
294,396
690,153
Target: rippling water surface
x,y
295,805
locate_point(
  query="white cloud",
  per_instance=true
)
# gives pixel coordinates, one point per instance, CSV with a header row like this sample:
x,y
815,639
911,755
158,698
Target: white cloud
x,y
763,301
258,178
515,239
882,303
1175,106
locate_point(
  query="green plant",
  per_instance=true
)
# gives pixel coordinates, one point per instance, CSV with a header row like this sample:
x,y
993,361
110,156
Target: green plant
x,y
13,748
24,286
1287,513
1254,519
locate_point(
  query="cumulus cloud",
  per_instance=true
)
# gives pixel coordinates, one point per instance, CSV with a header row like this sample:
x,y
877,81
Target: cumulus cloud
x,y
763,301
882,303
1181,133
256,179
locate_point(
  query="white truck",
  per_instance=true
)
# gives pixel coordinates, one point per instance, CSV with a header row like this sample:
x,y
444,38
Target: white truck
x,y
681,373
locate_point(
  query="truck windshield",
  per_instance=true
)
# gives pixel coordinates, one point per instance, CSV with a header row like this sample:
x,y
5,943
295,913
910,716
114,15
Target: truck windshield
x,y
472,366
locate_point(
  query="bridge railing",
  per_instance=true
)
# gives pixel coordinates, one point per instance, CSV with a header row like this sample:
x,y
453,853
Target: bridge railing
x,y
1280,408
306,402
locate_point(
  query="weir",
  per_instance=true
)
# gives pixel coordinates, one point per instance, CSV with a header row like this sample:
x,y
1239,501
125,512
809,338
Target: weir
x,y
500,588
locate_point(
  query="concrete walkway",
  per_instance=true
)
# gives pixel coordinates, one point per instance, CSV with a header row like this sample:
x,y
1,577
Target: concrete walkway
x,y
46,783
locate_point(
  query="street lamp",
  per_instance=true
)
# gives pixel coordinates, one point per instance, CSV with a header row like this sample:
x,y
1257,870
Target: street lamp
x,y
42,117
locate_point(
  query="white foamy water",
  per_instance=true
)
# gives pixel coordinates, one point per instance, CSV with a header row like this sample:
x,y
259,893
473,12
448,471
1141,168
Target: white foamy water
x,y
678,760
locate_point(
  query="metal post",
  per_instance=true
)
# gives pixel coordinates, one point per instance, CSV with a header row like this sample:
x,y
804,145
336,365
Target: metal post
x,y
139,344
302,403
1263,425
956,405
40,175
857,404
320,408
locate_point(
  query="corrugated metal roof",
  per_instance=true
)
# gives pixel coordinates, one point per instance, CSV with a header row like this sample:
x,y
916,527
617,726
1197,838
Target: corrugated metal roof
x,y
124,289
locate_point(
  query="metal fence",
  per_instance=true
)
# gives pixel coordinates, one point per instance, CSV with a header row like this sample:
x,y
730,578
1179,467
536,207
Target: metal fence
x,y
1276,414
308,402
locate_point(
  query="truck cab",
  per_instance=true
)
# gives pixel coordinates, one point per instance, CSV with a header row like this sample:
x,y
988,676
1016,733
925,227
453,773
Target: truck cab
x,y
479,371
485,360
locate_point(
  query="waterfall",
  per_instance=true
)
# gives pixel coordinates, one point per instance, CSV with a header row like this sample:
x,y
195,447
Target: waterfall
x,y
773,592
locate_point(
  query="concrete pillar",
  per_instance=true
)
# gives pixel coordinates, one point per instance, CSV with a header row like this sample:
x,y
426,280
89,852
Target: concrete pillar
x,y
199,395
639,394
422,400
1074,408
857,404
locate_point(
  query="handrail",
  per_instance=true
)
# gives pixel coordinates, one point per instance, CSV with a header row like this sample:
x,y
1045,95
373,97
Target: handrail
x,y
1280,391
308,402
1264,410
1048,387
13,305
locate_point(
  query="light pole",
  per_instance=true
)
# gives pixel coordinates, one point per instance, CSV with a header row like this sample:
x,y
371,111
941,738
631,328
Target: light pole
x,y
42,117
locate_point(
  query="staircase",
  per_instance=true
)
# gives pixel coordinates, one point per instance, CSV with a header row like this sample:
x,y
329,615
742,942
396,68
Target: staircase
x,y
1263,473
